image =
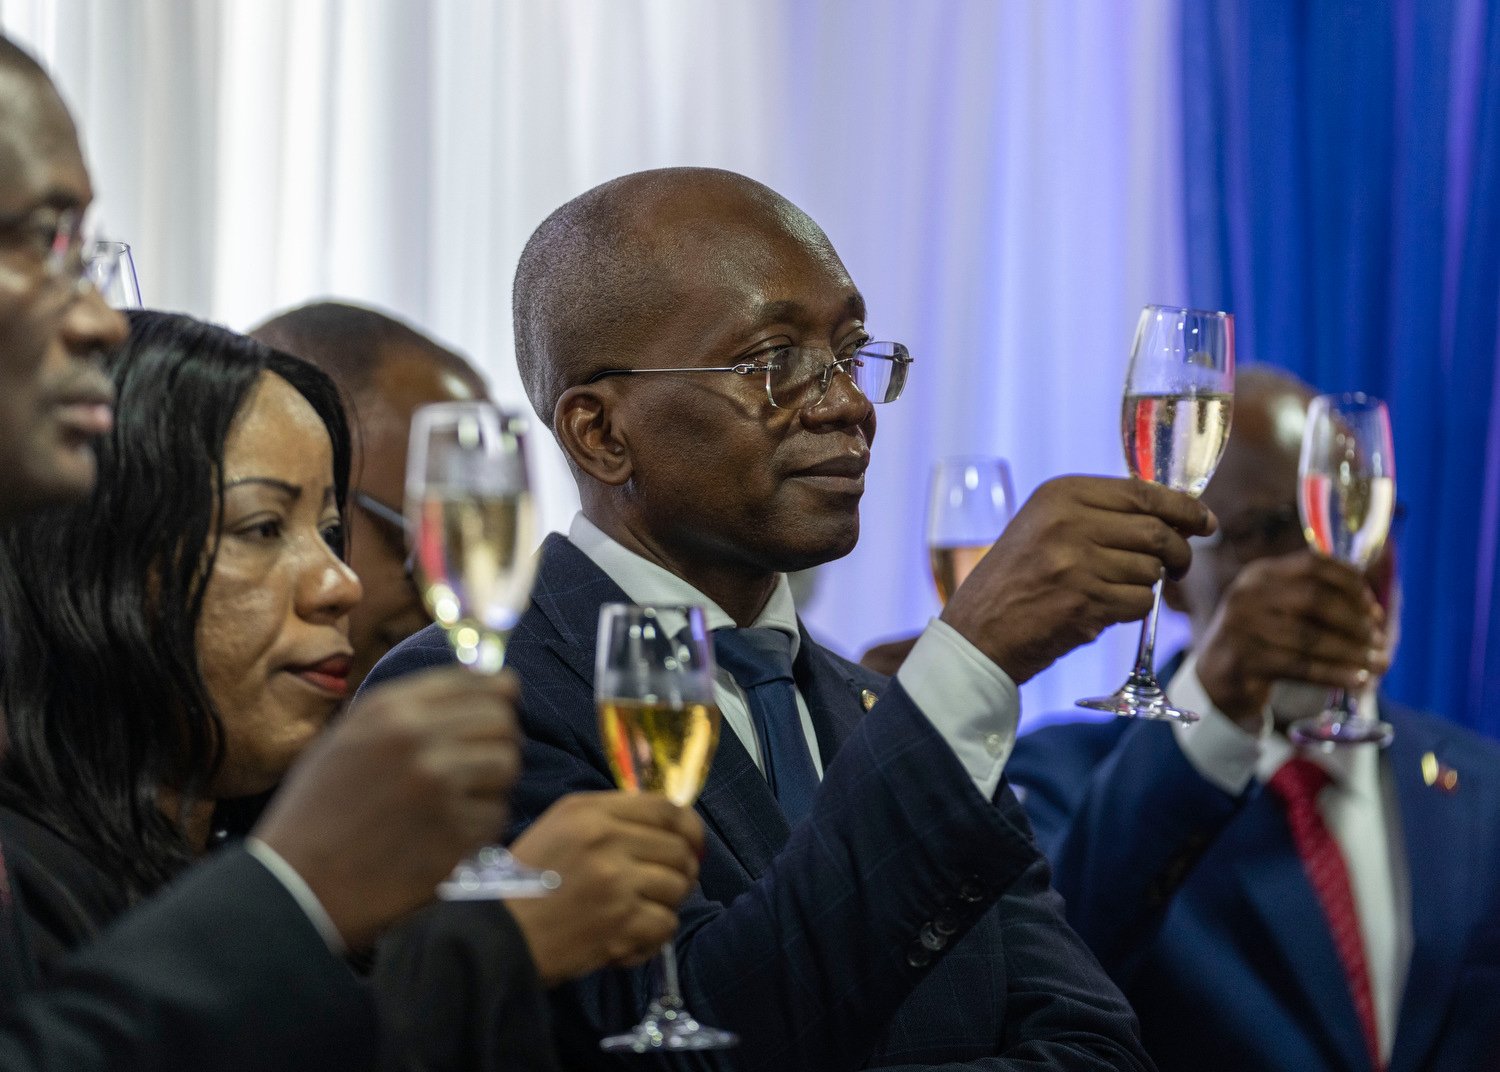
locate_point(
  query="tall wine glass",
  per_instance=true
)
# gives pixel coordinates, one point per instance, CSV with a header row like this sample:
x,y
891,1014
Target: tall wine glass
x,y
469,516
111,268
1179,397
1346,496
654,683
970,500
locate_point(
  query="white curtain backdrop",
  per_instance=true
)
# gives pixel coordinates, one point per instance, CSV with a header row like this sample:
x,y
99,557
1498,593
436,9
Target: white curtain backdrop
x,y
1002,177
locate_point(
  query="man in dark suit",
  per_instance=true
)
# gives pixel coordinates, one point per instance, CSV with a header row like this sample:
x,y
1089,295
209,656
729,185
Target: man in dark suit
x,y
237,965
698,349
1349,924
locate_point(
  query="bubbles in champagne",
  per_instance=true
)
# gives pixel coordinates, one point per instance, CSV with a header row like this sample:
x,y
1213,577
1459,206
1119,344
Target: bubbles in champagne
x,y
1176,439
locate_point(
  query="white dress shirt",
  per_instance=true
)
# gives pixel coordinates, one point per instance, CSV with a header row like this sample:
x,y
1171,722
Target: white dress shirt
x,y
1359,808
970,701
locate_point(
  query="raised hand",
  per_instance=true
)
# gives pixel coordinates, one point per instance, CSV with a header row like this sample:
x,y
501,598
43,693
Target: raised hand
x,y
410,780
1295,617
1082,554
626,861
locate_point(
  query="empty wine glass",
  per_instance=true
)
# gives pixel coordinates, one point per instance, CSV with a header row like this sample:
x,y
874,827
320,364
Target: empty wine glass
x,y
1347,497
111,268
1179,397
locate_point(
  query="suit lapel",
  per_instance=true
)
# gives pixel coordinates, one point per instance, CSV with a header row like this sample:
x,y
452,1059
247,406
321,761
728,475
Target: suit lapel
x,y
736,801
1271,878
1437,828
832,694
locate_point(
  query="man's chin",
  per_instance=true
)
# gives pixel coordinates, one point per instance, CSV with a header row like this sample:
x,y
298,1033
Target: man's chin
x,y
63,479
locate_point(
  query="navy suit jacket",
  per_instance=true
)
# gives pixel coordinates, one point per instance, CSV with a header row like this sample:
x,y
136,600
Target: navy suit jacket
x,y
1198,905
907,923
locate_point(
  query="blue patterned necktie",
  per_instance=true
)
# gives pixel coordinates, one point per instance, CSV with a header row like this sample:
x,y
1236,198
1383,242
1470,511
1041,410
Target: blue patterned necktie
x,y
761,662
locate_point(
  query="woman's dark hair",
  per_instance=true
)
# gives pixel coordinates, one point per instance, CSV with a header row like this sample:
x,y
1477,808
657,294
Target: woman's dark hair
x,y
104,700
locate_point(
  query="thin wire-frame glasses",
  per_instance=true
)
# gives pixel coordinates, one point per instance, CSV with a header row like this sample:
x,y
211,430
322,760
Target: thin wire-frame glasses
x,y
798,376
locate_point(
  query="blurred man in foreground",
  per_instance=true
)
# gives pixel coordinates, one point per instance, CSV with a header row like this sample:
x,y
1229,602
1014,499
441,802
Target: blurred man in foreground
x,y
238,964
1264,906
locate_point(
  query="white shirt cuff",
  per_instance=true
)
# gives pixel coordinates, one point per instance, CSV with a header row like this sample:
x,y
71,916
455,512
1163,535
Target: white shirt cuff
x,y
1216,746
969,700
301,892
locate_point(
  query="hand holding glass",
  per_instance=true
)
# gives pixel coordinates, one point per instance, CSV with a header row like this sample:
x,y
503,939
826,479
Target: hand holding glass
x,y
1179,397
659,719
469,516
1347,497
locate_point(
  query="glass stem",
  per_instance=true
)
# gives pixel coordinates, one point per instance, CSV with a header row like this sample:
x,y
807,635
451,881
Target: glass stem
x,y
1145,653
1343,705
670,994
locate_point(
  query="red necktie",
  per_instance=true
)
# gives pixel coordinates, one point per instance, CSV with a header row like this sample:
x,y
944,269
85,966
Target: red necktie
x,y
1298,783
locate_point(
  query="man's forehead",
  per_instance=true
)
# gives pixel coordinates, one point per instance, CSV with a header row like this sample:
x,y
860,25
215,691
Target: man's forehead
x,y
40,159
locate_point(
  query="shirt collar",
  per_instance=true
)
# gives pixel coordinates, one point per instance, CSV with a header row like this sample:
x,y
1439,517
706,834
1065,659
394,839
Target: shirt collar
x,y
1353,768
645,581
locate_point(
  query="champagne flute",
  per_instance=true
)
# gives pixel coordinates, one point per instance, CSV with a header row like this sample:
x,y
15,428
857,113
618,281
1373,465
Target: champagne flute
x,y
469,516
111,269
1179,396
1346,496
970,500
659,718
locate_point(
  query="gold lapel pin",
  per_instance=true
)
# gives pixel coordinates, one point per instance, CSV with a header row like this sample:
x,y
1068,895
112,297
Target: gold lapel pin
x,y
867,698
1439,775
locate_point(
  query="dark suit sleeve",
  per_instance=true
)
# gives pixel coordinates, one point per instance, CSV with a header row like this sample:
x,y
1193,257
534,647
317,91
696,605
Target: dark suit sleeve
x,y
222,971
1122,832
458,993
810,965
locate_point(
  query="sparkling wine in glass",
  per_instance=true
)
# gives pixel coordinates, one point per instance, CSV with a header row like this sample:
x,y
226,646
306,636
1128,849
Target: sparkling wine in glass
x,y
469,514
659,720
970,501
1179,397
1347,497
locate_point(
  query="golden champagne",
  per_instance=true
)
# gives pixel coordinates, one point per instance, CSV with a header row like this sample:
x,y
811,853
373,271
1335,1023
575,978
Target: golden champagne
x,y
1347,518
660,748
950,565
1176,439
473,558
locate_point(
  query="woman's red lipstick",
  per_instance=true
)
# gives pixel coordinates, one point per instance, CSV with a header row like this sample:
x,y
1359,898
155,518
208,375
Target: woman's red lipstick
x,y
331,675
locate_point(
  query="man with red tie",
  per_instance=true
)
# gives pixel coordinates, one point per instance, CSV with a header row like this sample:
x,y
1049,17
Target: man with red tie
x,y
1264,906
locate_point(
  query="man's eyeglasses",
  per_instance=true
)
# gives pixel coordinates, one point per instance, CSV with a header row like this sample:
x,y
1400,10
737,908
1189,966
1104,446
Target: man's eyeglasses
x,y
64,242
393,525
797,376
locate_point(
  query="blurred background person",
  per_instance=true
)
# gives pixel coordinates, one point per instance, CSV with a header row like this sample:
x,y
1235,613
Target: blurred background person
x,y
1264,905
384,370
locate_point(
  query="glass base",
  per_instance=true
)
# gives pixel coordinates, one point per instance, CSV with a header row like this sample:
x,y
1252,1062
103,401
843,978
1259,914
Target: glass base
x,y
493,873
1331,729
669,1029
1140,697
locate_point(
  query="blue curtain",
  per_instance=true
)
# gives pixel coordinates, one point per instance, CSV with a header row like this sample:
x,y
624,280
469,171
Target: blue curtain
x,y
1342,172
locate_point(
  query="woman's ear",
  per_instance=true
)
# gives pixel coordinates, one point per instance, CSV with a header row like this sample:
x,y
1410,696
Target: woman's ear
x,y
585,425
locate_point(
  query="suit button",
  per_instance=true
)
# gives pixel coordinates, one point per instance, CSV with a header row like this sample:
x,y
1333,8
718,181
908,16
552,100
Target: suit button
x,y
945,924
971,889
931,939
918,956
